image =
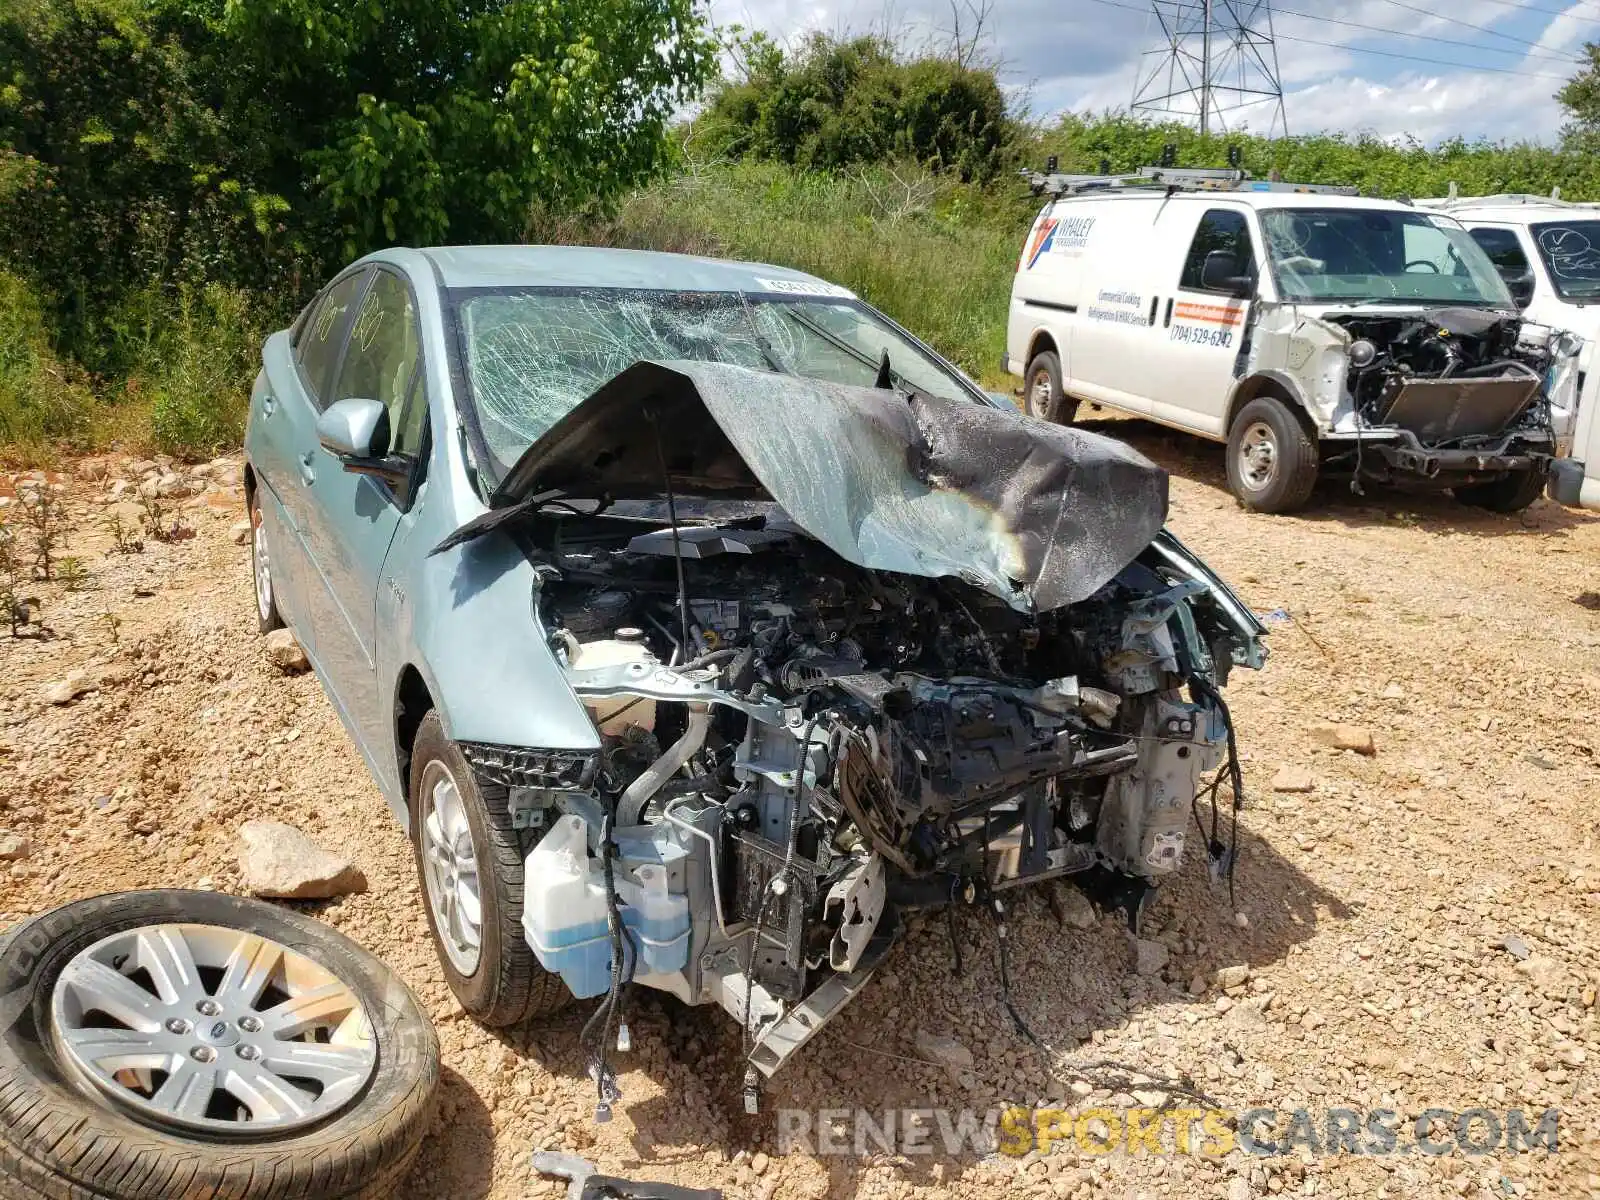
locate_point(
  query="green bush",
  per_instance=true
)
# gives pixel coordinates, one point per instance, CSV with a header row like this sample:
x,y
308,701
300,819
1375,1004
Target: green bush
x,y
199,371
837,103
43,401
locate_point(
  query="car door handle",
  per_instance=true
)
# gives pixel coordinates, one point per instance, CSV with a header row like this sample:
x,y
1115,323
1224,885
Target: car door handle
x,y
269,404
307,475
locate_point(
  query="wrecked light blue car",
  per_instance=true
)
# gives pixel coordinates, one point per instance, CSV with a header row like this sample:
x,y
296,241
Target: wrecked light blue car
x,y
698,622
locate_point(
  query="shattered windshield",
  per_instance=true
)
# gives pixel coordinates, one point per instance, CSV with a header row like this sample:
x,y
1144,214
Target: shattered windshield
x,y
1367,254
1571,249
532,355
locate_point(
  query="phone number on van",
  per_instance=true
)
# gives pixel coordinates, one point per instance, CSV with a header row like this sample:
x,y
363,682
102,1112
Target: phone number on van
x,y
1193,335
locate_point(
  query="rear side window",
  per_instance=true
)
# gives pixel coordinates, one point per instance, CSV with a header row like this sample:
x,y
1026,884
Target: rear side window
x,y
381,362
1503,249
323,334
1220,229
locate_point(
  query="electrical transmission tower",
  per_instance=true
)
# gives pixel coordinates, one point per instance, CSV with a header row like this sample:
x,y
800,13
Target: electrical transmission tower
x,y
1218,63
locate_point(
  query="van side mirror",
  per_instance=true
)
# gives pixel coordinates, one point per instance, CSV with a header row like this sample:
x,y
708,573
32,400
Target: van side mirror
x,y
1520,284
1221,273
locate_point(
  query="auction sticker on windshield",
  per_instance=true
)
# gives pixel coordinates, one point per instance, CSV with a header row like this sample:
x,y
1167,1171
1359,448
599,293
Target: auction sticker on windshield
x,y
806,287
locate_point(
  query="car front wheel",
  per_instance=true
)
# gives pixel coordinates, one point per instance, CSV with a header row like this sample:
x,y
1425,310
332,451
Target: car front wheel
x,y
470,860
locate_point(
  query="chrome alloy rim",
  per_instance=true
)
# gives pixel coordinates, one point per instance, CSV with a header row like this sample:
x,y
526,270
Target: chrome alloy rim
x,y
1039,394
263,567
207,1028
450,869
1258,456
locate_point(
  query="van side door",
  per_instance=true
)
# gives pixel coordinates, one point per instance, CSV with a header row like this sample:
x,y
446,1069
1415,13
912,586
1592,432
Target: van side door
x,y
1113,335
1203,329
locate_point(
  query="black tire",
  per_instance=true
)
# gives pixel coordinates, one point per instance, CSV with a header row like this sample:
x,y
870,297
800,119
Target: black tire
x,y
268,617
508,985
1042,393
1285,483
59,1138
1509,495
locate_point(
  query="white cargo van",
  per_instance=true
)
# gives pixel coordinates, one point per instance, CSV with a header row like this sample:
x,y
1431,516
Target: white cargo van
x,y
1548,252
1313,330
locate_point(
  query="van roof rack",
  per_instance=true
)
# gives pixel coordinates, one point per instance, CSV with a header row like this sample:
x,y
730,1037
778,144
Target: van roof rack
x,y
1456,200
1185,179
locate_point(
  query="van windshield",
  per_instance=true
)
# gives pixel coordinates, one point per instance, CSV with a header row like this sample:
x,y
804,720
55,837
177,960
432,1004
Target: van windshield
x,y
1367,254
1571,249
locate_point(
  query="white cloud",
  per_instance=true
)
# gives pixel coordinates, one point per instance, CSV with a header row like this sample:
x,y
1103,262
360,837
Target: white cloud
x,y
1083,55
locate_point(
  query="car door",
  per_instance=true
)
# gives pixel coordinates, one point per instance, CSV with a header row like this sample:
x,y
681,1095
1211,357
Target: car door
x,y
354,515
1202,328
296,369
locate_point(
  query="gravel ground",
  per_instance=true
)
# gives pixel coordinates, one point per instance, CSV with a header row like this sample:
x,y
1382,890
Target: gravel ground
x,y
1419,927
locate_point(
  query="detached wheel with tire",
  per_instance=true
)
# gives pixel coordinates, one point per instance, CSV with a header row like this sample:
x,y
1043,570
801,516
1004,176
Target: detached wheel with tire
x,y
1272,460
1042,393
470,860
168,1043
1509,495
267,616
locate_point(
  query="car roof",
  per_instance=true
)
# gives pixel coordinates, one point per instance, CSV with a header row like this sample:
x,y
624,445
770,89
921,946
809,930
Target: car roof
x,y
598,267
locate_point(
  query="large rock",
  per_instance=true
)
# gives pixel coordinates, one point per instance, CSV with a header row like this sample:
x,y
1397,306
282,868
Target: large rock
x,y
285,652
945,1051
13,846
1149,958
1345,737
1294,779
277,861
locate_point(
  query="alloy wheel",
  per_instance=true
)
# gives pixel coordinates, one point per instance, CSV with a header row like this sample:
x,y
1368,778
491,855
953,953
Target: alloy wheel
x,y
202,1027
450,869
263,567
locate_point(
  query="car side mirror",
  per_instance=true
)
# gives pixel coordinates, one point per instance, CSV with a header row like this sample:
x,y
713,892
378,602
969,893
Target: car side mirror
x,y
1520,284
1221,273
354,428
356,432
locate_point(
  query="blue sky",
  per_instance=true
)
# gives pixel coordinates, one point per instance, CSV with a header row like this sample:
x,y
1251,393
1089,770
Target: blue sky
x,y
1084,54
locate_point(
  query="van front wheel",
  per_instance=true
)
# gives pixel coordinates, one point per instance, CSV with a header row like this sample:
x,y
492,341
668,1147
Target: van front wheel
x,y
1042,395
1272,460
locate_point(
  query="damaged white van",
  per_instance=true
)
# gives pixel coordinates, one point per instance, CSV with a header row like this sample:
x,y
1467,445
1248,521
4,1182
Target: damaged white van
x,y
1548,251
1315,331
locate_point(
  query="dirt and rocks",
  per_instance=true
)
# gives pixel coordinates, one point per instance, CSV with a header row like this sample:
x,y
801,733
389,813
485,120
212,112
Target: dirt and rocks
x,y
1417,888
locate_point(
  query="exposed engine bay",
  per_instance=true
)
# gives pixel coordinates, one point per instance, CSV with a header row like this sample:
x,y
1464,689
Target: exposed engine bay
x,y
888,652
1448,375
1446,396
824,746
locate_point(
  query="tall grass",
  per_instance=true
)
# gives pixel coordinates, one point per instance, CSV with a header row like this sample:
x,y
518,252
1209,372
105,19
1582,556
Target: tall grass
x,y
937,256
45,403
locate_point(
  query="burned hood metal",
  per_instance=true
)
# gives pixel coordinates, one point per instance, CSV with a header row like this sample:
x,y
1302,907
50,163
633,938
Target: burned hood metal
x,y
1038,514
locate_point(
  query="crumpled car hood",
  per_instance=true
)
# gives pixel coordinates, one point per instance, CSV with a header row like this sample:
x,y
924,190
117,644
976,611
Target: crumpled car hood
x,y
1037,514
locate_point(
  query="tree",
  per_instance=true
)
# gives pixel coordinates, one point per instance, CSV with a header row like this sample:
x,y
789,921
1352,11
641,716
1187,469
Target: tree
x,y
264,141
837,103
1581,99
